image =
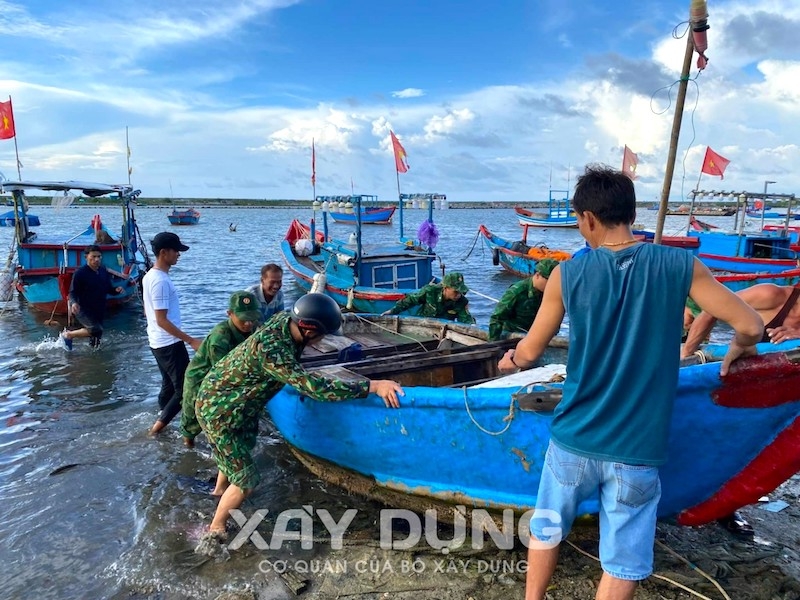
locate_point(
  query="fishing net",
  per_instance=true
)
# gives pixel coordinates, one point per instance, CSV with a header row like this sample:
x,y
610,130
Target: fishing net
x,y
62,200
428,234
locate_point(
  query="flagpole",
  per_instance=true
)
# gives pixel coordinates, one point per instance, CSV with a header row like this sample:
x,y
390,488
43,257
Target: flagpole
x,y
16,148
16,151
128,154
400,201
673,143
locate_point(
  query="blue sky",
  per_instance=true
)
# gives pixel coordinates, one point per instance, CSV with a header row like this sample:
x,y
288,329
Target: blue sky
x,y
492,101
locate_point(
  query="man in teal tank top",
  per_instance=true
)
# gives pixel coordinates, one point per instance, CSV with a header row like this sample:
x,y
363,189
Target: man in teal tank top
x,y
609,432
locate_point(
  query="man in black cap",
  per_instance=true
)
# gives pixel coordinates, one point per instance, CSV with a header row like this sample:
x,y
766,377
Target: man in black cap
x,y
164,334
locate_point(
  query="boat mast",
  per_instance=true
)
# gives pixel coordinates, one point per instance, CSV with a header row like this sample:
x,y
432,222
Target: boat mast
x,y
673,143
128,152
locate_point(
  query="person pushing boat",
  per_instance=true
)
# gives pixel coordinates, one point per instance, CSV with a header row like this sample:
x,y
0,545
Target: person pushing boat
x,y
233,395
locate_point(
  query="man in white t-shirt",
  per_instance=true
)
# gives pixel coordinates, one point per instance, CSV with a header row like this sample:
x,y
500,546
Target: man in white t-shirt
x,y
166,339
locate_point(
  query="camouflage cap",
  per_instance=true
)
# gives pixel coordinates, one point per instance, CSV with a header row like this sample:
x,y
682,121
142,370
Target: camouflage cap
x,y
455,280
245,306
545,266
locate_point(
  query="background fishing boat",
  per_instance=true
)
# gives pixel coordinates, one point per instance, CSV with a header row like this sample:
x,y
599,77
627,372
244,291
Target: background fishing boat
x,y
187,216
518,257
557,214
46,262
741,251
9,219
342,209
367,278
464,437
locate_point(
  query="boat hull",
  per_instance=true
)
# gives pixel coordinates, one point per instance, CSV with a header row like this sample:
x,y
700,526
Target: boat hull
x,y
184,217
484,447
554,217
369,216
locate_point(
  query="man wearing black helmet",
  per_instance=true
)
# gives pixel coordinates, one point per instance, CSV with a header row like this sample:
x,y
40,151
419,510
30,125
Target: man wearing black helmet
x,y
233,395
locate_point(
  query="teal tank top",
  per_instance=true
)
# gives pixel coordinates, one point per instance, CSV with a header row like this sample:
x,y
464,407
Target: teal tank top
x,y
625,321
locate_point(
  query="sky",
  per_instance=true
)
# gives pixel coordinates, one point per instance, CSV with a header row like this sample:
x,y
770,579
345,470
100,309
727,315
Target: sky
x,y
493,101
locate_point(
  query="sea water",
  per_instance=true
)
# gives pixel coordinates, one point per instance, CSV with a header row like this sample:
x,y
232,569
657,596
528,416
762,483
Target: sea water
x,y
91,506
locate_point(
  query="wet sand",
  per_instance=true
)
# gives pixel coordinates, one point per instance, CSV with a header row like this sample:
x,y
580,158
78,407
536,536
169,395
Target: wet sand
x,y
766,567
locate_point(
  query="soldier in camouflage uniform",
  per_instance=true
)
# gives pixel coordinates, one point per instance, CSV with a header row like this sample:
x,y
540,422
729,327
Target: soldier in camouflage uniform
x,y
440,300
518,307
243,316
236,390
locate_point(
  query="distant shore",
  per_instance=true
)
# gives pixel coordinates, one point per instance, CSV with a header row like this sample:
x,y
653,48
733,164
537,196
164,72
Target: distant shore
x,y
201,203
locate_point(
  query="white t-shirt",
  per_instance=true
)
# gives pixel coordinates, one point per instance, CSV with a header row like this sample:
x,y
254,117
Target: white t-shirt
x,y
159,293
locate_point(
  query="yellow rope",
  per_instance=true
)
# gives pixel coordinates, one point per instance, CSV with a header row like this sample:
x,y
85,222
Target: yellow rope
x,y
696,568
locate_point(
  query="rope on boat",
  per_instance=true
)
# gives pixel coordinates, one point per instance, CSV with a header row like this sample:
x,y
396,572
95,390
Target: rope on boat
x,y
392,331
7,279
473,291
508,418
471,248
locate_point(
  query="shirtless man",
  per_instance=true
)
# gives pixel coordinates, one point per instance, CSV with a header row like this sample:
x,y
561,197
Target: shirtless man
x,y
776,305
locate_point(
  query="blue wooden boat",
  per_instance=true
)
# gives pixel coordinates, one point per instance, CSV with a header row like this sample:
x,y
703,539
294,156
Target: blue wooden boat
x,y
46,262
368,278
187,216
9,219
518,257
558,213
454,443
342,209
743,252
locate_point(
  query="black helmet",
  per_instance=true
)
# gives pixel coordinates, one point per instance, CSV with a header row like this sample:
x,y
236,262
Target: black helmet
x,y
317,311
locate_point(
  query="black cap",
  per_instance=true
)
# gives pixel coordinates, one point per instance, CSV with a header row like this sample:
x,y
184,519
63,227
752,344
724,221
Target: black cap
x,y
167,240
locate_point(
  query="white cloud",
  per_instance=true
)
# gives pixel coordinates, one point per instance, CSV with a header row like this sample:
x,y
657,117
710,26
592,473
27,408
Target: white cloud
x,y
408,93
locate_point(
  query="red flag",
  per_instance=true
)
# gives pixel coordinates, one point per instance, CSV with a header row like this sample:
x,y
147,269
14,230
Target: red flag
x,y
313,163
714,164
6,121
400,156
629,162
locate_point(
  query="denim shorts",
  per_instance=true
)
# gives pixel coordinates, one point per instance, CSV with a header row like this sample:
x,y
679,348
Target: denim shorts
x,y
629,496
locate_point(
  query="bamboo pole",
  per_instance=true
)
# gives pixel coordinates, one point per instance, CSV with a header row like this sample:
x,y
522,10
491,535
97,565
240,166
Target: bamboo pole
x,y
673,144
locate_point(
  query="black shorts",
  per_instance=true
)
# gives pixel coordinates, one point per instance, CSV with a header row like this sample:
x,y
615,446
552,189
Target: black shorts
x,y
94,325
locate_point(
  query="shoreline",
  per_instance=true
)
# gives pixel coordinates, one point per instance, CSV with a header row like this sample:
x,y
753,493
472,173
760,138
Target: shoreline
x,y
209,203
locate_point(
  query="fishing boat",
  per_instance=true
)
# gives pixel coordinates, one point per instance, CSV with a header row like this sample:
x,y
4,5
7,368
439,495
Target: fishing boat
x,y
342,209
557,214
188,216
367,278
708,211
741,251
9,219
518,257
46,262
463,436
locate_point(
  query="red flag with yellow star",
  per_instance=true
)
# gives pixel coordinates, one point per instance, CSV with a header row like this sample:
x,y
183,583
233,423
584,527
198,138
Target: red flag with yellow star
x,y
714,164
6,121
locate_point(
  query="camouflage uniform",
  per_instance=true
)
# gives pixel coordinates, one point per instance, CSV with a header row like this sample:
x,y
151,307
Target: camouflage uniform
x,y
234,393
223,338
516,309
433,304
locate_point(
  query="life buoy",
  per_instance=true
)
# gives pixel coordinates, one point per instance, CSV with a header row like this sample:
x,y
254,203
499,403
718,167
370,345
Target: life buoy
x,y
495,256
